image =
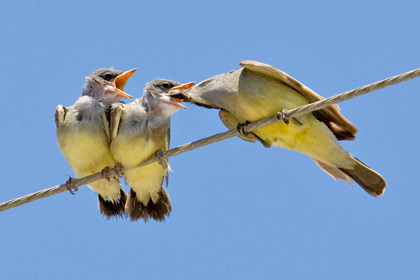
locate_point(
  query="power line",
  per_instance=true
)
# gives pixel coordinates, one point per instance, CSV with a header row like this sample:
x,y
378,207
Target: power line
x,y
280,116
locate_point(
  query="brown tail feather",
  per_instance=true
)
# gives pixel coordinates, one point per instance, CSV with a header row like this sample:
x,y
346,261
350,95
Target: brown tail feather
x,y
370,180
135,209
112,208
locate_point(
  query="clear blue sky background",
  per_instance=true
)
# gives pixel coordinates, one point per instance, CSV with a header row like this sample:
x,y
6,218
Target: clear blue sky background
x,y
240,211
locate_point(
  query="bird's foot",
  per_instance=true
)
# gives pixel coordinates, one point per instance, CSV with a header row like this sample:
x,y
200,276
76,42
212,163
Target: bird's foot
x,y
118,169
283,116
162,161
106,173
241,128
70,186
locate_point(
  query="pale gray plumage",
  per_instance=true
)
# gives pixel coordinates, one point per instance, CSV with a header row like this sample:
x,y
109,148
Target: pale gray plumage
x,y
259,90
138,130
83,135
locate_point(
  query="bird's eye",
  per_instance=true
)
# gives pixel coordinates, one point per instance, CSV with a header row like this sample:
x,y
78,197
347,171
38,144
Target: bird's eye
x,y
166,85
108,77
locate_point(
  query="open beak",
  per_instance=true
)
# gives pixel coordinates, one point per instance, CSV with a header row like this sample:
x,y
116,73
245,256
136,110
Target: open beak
x,y
121,80
175,90
177,94
175,102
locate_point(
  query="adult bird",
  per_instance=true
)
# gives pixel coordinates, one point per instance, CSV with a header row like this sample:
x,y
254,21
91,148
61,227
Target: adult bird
x,y
259,90
139,130
84,137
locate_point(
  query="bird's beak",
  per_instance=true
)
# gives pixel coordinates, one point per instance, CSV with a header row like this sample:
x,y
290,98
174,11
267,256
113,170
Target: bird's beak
x,y
121,80
177,93
177,103
178,89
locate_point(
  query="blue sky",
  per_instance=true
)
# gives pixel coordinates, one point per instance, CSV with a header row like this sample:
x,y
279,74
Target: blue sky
x,y
240,211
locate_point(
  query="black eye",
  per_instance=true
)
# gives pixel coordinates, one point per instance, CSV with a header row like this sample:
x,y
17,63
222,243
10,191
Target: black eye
x,y
108,77
166,85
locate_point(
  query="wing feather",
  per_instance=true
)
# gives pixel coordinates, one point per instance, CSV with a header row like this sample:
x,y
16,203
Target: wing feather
x,y
115,118
339,125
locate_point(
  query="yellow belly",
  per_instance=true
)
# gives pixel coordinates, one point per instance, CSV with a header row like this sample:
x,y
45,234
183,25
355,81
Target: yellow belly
x,y
311,137
130,150
146,181
87,151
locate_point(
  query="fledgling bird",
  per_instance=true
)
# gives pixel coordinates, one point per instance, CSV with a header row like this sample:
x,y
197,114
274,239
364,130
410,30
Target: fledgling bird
x,y
259,90
139,130
84,137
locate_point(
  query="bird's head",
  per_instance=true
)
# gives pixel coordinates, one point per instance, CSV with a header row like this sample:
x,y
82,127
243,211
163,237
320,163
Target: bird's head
x,y
207,93
156,93
107,85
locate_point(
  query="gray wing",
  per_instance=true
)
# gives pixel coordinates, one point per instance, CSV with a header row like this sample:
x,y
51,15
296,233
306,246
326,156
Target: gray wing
x,y
105,116
166,147
60,115
339,125
115,118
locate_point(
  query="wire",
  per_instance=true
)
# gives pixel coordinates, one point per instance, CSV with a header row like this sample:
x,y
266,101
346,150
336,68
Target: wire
x,y
280,116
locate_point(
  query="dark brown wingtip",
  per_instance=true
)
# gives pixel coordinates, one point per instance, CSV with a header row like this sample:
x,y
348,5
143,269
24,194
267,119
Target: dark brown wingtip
x,y
341,133
158,211
113,209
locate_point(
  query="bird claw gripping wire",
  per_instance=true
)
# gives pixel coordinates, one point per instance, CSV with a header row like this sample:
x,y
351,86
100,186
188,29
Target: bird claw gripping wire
x,y
161,160
118,169
106,173
241,128
70,186
283,116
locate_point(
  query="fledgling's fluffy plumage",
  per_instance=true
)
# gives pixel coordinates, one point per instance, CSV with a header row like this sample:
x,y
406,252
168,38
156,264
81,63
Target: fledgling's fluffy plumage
x,y
84,138
139,130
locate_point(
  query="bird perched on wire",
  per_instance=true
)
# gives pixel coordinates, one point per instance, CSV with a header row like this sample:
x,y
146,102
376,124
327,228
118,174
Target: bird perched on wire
x,y
84,138
259,90
139,130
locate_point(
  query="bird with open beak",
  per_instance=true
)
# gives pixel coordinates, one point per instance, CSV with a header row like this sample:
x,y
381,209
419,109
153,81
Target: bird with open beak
x,y
139,130
84,137
259,90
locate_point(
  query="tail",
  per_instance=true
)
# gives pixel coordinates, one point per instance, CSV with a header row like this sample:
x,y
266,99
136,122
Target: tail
x,y
370,180
136,209
115,208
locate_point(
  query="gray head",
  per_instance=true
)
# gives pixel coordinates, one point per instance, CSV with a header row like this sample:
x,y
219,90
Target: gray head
x,y
107,85
210,93
159,86
155,95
